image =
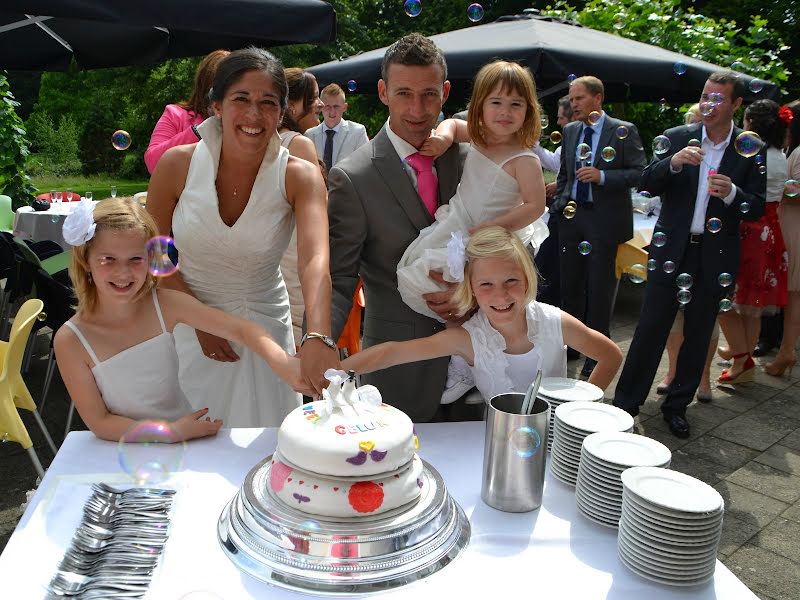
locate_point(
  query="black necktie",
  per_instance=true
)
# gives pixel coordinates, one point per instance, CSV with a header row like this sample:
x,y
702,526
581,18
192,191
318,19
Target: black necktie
x,y
582,191
327,155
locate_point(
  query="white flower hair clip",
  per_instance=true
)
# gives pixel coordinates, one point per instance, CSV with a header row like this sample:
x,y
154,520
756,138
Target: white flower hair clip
x,y
79,225
456,256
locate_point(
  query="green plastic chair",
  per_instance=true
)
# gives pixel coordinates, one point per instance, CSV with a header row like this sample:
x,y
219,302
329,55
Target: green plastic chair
x,y
6,214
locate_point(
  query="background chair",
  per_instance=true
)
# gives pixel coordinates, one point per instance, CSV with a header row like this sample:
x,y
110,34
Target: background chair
x,y
59,301
6,214
14,393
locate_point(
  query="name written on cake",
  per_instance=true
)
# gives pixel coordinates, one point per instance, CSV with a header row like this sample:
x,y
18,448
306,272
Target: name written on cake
x,y
360,427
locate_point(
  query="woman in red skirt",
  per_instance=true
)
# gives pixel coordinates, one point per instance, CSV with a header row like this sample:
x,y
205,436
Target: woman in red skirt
x,y
761,285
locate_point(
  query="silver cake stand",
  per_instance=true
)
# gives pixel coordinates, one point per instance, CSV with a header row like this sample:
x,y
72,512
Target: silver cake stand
x,y
331,556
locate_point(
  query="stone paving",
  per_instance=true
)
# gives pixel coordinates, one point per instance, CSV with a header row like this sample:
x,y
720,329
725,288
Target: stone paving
x,y
746,444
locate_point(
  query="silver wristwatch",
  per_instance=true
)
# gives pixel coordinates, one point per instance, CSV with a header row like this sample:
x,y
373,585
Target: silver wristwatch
x,y
326,339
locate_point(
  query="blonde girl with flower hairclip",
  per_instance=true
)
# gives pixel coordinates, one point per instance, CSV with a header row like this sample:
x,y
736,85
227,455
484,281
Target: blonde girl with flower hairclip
x,y
117,355
511,336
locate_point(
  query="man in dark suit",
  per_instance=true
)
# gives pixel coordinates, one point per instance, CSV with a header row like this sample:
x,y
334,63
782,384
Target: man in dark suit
x,y
706,188
378,203
593,204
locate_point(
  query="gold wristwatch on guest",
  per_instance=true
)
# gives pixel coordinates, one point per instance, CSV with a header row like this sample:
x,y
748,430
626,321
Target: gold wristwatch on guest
x,y
326,339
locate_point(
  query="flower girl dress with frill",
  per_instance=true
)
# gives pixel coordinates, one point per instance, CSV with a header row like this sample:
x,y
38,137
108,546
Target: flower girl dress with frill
x,y
485,192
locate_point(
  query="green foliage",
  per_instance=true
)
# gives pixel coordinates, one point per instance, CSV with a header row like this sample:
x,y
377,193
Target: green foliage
x,y
13,150
55,148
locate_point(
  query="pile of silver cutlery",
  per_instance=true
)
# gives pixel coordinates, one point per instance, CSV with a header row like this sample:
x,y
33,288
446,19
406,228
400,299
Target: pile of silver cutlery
x,y
117,545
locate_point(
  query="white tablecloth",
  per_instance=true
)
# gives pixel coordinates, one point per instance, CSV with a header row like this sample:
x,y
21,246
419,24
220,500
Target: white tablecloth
x,y
43,225
550,553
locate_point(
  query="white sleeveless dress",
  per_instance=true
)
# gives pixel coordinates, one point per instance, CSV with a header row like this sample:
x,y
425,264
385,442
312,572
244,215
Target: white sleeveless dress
x,y
492,368
236,270
141,382
484,193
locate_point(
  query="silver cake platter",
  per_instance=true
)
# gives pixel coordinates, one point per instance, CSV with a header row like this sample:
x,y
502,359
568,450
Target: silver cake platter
x,y
332,556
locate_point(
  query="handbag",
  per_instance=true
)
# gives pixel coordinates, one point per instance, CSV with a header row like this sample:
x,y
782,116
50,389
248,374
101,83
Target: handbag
x,y
39,205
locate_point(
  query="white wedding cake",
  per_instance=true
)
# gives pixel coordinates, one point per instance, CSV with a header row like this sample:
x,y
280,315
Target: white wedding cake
x,y
346,455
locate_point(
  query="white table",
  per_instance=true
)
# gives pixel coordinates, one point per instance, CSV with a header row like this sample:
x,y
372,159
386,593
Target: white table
x,y
550,553
43,225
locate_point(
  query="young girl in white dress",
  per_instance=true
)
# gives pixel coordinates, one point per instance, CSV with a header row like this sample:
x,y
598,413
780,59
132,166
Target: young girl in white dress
x,y
511,336
117,354
502,182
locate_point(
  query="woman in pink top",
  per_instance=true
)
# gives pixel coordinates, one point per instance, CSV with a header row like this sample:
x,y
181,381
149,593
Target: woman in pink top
x,y
175,127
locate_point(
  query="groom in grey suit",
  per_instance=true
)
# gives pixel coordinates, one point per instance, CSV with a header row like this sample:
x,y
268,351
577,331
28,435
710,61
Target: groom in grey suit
x,y
375,212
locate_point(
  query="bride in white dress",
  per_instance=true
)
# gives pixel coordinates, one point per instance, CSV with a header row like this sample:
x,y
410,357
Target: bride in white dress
x,y
231,201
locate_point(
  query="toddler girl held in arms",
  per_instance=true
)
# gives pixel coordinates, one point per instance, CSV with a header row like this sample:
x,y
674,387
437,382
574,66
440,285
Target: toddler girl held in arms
x,y
511,336
117,355
502,182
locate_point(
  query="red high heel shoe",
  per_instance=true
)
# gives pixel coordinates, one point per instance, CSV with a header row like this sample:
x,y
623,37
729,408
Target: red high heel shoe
x,y
746,374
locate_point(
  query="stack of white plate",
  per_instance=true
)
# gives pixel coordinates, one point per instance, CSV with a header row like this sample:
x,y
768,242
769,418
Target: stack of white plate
x,y
670,526
604,456
557,390
574,421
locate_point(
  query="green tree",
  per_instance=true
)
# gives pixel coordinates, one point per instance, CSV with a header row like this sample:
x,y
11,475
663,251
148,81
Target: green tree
x,y
13,149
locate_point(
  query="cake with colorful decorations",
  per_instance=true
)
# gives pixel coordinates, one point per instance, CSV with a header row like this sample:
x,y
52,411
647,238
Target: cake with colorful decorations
x,y
347,455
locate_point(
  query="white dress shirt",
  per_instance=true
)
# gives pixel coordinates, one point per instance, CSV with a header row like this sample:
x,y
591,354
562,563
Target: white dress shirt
x,y
711,160
597,129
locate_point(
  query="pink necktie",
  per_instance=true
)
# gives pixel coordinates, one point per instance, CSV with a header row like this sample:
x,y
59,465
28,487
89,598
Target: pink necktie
x,y
427,182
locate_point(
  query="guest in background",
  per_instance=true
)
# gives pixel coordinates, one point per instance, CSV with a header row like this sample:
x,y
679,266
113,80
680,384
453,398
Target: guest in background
x,y
761,282
601,191
690,197
335,138
547,260
233,218
675,339
177,125
789,215
303,106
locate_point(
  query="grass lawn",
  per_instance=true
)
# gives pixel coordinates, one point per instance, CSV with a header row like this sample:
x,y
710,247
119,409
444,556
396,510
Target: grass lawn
x,y
99,185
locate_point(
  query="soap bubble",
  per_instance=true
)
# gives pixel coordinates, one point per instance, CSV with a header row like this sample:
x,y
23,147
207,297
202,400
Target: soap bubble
x,y
759,159
725,279
645,194
714,225
571,77
748,143
569,209
584,151
412,7
525,441
725,305
791,188
661,144
158,251
652,264
555,137
121,139
619,21
150,452
54,218
608,154
545,120
475,12
706,108
684,297
693,143
594,117
684,281
352,86
659,239
738,65
716,98
679,68
744,207
584,248
662,105
669,267
762,169
621,132
637,273
755,85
